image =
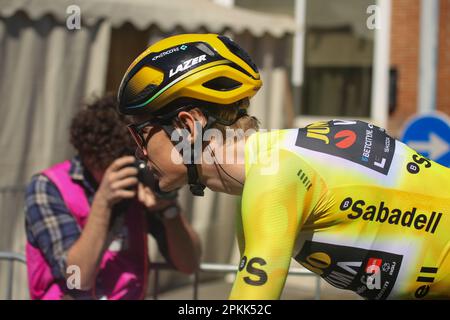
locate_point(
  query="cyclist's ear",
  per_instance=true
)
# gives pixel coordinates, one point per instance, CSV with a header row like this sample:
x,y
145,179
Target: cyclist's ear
x,y
193,121
178,123
184,118
185,126
187,121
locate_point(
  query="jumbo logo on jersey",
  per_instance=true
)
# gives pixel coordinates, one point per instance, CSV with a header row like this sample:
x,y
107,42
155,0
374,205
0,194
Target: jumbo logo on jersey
x,y
317,262
356,141
186,65
320,130
369,273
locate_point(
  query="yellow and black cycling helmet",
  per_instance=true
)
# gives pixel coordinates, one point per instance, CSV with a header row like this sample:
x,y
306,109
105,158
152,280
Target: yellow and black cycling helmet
x,y
184,71
179,70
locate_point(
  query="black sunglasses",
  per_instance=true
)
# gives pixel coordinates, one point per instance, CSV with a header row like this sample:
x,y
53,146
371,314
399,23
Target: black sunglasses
x,y
136,131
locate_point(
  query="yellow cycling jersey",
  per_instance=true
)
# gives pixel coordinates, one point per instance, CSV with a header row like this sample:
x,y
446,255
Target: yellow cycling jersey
x,y
348,202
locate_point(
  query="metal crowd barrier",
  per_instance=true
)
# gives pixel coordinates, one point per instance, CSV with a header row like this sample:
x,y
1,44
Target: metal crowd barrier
x,y
157,267
222,268
11,258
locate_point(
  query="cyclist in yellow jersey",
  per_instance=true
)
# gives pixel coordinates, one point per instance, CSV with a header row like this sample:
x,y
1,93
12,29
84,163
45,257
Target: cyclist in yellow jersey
x,y
353,205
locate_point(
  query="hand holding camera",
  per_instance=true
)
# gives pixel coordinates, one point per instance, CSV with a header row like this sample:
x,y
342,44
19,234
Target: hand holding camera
x,y
119,182
127,178
149,193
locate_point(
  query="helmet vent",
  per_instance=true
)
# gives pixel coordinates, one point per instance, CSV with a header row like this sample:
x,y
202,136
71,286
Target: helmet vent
x,y
145,93
237,50
206,49
222,84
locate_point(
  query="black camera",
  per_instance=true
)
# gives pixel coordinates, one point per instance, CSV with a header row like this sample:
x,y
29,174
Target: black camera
x,y
146,178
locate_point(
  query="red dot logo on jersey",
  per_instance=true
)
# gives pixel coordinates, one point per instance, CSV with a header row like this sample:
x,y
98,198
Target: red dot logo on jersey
x,y
347,137
374,262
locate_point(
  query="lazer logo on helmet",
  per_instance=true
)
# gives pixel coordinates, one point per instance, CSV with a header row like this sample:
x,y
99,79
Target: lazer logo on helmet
x,y
381,213
186,65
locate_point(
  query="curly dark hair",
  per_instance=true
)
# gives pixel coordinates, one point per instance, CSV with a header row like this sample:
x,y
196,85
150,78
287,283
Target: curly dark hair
x,y
99,134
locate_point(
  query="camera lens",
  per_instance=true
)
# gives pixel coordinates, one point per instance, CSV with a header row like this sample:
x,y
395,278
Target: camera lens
x,y
147,178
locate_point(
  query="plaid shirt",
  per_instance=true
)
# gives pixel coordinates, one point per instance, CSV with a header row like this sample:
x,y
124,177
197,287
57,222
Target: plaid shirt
x,y
53,229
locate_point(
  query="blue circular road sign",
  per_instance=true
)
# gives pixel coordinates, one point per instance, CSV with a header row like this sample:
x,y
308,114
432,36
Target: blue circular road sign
x,y
429,135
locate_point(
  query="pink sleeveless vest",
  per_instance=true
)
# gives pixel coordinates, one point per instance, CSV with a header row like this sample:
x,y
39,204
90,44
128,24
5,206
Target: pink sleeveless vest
x,y
122,274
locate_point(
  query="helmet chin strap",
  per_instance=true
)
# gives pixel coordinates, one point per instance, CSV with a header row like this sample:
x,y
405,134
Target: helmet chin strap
x,y
195,186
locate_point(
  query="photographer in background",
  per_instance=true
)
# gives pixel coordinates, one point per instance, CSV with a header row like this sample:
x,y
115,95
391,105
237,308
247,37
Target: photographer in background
x,y
90,216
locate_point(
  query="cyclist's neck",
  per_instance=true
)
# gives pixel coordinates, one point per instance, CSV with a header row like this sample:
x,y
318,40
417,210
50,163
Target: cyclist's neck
x,y
223,166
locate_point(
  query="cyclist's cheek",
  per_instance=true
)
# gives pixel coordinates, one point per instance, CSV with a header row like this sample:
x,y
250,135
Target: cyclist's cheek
x,y
166,162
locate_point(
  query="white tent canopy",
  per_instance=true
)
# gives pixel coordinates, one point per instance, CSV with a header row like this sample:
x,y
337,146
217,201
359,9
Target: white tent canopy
x,y
47,70
166,14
